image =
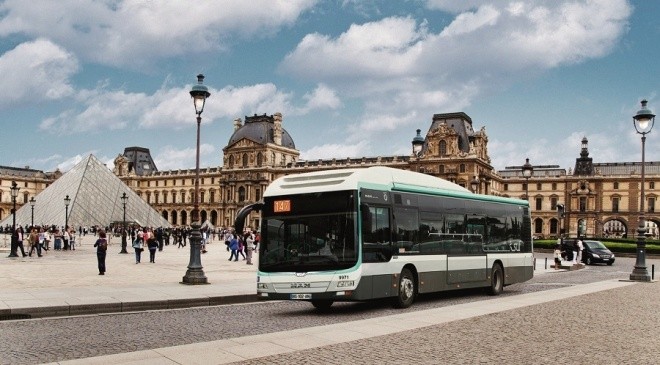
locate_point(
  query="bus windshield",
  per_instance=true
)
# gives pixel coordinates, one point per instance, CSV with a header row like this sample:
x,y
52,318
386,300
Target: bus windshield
x,y
309,232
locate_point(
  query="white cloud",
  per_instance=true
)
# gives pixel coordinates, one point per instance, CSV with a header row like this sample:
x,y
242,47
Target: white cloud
x,y
134,33
381,49
335,150
170,108
399,70
35,71
171,158
471,22
322,97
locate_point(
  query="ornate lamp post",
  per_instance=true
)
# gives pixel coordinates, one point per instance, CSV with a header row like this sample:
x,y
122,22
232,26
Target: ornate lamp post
x,y
32,203
527,171
124,199
14,236
474,184
195,274
418,143
643,122
67,201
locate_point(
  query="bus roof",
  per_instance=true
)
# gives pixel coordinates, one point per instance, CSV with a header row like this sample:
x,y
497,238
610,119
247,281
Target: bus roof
x,y
376,177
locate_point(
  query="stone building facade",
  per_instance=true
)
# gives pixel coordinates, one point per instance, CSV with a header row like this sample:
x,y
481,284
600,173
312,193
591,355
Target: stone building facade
x,y
599,198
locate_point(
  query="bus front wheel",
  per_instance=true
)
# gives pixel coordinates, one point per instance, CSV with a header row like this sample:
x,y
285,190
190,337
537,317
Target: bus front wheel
x,y
407,289
496,280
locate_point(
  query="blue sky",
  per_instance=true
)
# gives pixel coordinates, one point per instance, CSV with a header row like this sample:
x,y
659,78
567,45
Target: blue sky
x,y
352,78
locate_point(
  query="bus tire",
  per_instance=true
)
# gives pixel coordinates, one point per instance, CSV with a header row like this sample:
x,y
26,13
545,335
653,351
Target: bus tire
x,y
407,289
322,305
496,280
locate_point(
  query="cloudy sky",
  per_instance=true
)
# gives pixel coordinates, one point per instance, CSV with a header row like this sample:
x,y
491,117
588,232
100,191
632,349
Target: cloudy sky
x,y
352,78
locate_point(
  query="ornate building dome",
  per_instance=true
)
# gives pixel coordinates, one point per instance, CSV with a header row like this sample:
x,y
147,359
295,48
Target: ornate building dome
x,y
262,129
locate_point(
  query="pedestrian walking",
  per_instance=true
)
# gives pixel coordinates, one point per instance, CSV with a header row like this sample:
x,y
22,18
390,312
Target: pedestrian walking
x,y
33,239
249,247
43,240
19,240
57,236
137,246
241,247
101,245
580,248
152,244
233,246
72,239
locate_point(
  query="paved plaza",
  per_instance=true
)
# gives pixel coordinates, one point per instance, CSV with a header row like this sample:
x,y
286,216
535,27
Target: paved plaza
x,y
602,319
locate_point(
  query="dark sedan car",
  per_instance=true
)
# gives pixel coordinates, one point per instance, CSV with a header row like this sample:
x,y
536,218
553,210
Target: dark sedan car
x,y
596,252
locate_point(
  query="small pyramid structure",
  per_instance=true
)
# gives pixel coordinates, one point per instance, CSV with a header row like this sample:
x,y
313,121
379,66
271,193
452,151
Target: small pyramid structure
x,y
95,194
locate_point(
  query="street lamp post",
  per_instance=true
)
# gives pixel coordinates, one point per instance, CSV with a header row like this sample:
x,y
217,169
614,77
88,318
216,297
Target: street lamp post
x,y
124,199
527,171
643,122
67,201
195,274
474,184
32,203
14,236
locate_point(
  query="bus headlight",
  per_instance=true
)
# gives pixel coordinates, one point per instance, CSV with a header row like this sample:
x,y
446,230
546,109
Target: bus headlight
x,y
262,286
345,284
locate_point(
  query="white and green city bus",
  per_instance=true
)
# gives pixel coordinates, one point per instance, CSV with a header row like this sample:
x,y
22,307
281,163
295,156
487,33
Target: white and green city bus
x,y
378,232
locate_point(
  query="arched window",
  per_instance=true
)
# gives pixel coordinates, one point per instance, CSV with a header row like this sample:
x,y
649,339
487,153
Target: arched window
x,y
245,160
553,226
201,196
538,225
165,215
241,194
443,148
214,217
441,169
174,216
231,161
461,167
184,218
260,159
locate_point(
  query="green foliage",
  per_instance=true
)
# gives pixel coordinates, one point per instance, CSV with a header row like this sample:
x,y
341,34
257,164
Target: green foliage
x,y
615,245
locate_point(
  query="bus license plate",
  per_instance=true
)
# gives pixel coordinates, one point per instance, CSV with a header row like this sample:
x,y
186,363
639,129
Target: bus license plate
x,y
301,296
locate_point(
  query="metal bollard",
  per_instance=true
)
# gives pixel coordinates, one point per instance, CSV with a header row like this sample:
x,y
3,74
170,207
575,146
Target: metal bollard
x,y
535,264
546,263
652,272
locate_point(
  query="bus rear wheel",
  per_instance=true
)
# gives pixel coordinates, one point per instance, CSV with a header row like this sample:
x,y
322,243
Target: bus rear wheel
x,y
496,280
322,305
407,289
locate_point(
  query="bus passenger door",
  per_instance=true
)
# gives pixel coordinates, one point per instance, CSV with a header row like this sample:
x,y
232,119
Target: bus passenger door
x,y
466,261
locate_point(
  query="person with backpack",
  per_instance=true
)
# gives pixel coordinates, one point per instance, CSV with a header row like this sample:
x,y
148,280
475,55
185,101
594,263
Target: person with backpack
x,y
101,245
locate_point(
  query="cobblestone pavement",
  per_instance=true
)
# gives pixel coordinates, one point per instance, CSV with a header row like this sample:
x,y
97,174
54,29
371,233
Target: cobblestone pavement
x,y
56,339
605,333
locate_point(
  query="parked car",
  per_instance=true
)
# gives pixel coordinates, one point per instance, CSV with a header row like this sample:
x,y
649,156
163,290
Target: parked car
x,y
596,252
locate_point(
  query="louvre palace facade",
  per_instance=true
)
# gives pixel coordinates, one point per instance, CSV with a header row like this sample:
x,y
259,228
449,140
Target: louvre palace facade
x,y
600,199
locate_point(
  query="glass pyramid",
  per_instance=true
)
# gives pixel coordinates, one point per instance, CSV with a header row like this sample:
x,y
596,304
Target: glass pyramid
x,y
95,194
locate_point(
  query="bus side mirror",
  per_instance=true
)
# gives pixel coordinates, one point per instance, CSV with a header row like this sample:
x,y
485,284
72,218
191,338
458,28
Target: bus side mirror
x,y
366,218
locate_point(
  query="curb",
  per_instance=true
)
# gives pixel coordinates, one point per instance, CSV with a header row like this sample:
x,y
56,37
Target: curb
x,y
121,307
